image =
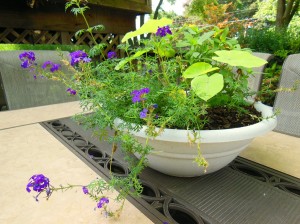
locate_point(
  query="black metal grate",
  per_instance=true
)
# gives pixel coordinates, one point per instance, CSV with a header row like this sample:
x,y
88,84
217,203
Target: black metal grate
x,y
243,192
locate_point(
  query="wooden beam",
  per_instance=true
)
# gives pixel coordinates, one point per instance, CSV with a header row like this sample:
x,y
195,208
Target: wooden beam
x,y
52,18
140,6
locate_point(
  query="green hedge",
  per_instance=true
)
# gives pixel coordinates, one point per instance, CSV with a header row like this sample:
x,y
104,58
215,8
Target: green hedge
x,y
271,41
70,48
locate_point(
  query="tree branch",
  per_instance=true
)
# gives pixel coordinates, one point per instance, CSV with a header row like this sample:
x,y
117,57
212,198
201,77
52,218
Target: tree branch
x,y
295,8
157,9
288,9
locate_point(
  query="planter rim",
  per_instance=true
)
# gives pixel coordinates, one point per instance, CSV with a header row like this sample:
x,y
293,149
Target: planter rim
x,y
224,135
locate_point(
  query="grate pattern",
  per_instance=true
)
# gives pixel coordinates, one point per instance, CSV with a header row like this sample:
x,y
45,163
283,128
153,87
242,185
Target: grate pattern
x,y
166,207
243,192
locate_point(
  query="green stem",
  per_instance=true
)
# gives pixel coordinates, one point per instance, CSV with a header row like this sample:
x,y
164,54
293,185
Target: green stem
x,y
87,24
65,187
88,27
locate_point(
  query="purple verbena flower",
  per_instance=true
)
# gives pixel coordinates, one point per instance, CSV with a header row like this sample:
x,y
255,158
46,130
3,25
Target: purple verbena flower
x,y
163,31
53,67
143,113
27,55
38,183
25,64
136,98
27,58
138,94
85,190
145,90
102,201
46,64
111,54
71,91
155,106
86,60
78,56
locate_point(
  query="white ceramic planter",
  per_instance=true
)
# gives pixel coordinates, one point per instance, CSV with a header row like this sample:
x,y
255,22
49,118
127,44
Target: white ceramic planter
x,y
174,155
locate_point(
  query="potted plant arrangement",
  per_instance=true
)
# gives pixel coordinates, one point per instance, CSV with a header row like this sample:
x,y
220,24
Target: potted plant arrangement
x,y
179,101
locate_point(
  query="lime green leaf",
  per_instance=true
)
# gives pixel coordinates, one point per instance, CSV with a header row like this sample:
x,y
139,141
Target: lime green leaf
x,y
128,59
183,44
149,27
207,86
191,30
166,52
204,37
195,54
239,58
197,69
224,34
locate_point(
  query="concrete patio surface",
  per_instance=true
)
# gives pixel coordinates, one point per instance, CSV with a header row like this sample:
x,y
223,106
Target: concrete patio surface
x,y
26,148
278,151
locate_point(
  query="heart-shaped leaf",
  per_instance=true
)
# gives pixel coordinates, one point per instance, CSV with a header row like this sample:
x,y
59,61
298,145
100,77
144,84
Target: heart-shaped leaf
x,y
199,68
207,86
239,58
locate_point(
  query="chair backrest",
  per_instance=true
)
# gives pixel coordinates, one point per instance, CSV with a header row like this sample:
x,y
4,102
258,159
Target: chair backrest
x,y
22,90
255,80
289,102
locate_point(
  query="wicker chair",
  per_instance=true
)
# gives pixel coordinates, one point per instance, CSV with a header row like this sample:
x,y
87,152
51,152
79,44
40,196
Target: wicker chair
x,y
288,103
281,146
255,81
21,90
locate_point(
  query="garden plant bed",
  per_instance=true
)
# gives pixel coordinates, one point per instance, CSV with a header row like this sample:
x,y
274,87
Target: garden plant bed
x,y
243,192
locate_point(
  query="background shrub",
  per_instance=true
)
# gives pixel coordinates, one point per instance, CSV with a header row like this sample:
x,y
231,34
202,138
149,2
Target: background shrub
x,y
280,44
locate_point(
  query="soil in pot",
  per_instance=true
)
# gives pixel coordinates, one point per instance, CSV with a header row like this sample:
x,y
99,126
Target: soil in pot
x,y
225,118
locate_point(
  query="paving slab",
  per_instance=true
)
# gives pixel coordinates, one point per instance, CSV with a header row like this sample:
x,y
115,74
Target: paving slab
x,y
14,118
30,149
278,151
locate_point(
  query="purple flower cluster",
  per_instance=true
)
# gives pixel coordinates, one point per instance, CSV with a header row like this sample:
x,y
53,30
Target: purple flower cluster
x,y
78,56
102,202
53,67
27,59
163,31
71,91
85,190
137,95
143,114
111,54
38,183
